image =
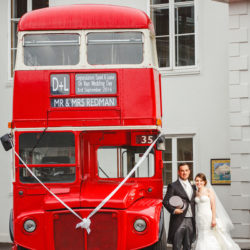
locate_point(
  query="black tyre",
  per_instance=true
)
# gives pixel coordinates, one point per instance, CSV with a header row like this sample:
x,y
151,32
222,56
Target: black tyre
x,y
162,243
11,230
21,248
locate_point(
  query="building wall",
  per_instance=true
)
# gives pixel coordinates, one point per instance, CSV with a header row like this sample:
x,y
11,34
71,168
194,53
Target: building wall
x,y
195,103
6,113
139,4
239,94
198,103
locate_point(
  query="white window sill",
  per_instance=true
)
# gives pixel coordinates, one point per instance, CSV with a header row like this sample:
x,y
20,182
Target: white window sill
x,y
176,72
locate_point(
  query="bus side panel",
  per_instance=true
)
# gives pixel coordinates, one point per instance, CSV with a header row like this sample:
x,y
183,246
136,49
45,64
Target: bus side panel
x,y
138,99
158,99
149,210
30,98
24,209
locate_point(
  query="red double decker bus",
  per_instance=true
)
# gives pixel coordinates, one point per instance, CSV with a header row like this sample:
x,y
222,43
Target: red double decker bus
x,y
86,106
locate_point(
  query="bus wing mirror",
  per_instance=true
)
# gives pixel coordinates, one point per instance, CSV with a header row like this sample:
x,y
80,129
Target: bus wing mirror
x,y
6,141
160,144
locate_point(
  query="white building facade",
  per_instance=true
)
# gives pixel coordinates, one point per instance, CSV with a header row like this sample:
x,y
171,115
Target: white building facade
x,y
239,114
205,90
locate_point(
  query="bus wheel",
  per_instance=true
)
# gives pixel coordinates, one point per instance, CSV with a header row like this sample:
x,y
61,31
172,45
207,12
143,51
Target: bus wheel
x,y
11,231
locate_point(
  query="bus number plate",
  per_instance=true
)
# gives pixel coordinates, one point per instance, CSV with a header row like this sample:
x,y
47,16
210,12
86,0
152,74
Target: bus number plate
x,y
145,139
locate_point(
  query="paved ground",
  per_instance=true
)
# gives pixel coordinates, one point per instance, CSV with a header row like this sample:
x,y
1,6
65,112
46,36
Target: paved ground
x,y
5,246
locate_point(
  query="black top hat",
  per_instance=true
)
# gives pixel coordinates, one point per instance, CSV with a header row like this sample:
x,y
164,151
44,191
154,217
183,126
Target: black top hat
x,y
177,202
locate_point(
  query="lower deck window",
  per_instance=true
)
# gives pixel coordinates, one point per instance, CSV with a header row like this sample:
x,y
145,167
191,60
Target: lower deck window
x,y
117,162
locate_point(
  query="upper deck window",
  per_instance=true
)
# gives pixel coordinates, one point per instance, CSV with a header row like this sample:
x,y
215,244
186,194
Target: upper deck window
x,y
51,49
115,48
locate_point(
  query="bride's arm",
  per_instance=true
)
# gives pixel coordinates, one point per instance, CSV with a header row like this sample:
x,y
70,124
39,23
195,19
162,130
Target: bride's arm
x,y
213,208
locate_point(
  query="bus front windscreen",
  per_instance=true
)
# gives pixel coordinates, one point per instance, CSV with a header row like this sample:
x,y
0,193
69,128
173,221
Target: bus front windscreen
x,y
50,156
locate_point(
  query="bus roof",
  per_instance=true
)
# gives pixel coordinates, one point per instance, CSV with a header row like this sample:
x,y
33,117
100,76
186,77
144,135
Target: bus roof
x,y
85,16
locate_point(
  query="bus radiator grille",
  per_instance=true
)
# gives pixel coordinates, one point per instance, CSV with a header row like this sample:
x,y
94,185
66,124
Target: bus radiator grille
x,y
103,235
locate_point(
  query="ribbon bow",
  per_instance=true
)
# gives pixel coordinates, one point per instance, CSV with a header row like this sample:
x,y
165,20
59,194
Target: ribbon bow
x,y
85,223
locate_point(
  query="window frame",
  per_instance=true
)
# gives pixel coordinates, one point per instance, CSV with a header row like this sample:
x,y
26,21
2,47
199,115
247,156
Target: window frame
x,y
19,165
172,69
174,161
41,45
11,63
123,177
148,57
115,42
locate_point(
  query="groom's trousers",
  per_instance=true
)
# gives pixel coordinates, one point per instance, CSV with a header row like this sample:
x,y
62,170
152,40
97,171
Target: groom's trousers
x,y
183,235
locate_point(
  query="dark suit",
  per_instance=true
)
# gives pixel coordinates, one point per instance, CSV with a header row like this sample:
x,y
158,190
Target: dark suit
x,y
176,220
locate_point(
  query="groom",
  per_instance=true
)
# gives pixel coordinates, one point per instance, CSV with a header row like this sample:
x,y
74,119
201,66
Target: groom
x,y
182,222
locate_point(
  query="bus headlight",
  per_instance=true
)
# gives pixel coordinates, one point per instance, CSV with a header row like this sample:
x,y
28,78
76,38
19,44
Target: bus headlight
x,y
29,226
140,225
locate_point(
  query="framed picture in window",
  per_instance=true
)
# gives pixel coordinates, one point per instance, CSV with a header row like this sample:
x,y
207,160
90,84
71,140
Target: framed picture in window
x,y
220,172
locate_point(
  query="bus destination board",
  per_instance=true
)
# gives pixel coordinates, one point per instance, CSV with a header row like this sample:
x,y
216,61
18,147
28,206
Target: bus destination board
x,y
95,84
83,102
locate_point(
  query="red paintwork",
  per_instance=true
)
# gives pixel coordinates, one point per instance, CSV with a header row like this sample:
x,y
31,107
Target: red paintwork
x,y
88,16
139,103
127,238
132,201
138,100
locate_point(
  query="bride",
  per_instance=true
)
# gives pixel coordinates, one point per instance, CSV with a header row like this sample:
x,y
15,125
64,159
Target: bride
x,y
212,220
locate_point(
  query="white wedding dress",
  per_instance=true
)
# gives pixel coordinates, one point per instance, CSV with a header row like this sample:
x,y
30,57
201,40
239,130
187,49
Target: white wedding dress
x,y
209,238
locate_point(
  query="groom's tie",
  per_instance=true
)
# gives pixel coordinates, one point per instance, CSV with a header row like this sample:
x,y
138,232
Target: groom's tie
x,y
188,189
189,192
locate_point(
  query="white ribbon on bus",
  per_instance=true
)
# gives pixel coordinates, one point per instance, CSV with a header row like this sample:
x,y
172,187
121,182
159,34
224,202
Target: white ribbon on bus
x,y
85,222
